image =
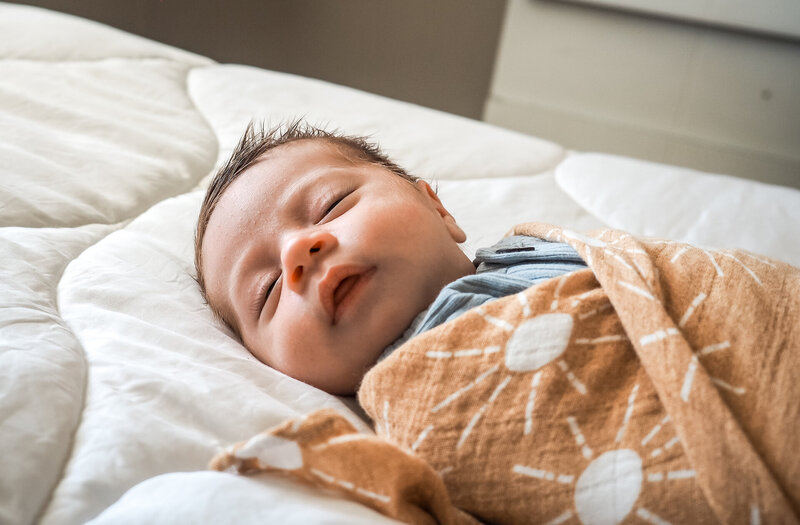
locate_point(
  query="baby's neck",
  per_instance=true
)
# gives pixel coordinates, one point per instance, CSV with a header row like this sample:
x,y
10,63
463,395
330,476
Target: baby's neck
x,y
405,336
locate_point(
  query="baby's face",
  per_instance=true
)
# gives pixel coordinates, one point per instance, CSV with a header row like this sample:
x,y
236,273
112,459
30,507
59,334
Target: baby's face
x,y
321,263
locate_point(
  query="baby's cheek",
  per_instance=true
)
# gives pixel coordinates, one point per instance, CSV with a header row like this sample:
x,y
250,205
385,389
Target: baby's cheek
x,y
397,223
260,351
297,346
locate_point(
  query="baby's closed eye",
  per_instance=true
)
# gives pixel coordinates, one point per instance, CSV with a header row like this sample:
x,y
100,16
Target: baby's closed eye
x,y
334,201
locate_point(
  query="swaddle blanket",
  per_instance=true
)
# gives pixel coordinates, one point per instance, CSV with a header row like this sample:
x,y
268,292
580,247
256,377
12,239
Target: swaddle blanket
x,y
656,386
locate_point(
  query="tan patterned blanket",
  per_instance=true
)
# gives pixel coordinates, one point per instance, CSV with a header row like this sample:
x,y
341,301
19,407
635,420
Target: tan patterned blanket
x,y
659,386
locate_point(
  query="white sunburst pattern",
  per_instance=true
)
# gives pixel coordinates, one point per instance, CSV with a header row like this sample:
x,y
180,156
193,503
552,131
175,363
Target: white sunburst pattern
x,y
709,253
534,342
607,490
696,303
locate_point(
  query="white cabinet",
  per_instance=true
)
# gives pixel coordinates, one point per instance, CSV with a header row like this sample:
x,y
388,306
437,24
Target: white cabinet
x,y
667,90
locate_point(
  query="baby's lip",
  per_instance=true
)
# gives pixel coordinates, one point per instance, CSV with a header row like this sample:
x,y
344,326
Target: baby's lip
x,y
339,283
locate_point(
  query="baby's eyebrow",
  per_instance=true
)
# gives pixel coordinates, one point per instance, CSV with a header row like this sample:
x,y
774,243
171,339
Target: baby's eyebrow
x,y
292,201
301,198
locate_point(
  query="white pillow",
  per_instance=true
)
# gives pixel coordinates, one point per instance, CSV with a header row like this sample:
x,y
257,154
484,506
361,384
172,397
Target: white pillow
x,y
426,142
645,198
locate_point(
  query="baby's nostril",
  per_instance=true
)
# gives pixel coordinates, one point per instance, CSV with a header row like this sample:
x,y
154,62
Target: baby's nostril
x,y
297,274
316,247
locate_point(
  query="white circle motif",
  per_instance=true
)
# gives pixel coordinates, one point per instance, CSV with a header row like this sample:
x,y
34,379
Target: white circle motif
x,y
608,488
538,341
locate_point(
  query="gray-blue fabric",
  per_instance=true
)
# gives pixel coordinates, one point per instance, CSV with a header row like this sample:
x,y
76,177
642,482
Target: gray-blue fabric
x,y
510,266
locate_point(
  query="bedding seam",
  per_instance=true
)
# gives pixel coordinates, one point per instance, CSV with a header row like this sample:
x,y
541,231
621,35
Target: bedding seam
x,y
47,502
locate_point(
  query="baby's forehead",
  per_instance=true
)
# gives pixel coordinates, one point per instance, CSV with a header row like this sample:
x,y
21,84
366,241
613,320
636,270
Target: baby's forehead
x,y
278,175
320,147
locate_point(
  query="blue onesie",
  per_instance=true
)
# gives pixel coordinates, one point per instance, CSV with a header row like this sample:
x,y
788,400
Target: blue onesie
x,y
510,266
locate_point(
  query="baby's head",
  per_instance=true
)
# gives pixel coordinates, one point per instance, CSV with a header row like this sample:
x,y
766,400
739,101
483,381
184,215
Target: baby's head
x,y
318,251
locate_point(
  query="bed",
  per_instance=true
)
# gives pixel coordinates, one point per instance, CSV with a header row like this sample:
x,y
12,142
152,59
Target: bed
x,y
117,385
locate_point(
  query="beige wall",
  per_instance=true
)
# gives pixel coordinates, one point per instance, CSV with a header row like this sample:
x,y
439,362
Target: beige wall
x,y
437,53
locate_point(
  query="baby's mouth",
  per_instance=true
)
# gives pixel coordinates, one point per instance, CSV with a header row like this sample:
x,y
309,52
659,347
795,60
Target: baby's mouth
x,y
339,286
344,288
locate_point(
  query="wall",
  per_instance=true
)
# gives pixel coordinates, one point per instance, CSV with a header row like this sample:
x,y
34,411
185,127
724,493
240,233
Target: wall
x,y
434,53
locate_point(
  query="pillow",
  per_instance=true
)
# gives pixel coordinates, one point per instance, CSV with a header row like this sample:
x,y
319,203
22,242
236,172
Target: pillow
x,y
646,198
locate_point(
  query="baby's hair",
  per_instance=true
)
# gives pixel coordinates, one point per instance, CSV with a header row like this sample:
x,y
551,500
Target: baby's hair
x,y
256,142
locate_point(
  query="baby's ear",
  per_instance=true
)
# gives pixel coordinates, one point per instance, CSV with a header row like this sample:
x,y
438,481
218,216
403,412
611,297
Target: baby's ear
x,y
453,228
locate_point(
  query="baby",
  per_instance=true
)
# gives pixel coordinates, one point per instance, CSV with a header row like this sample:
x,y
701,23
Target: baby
x,y
320,252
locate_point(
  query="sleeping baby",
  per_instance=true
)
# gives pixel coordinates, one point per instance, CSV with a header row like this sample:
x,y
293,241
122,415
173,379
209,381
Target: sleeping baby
x,y
560,376
318,251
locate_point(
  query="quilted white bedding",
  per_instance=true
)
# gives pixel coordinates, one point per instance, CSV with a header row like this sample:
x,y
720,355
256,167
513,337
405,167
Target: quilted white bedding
x,y
116,384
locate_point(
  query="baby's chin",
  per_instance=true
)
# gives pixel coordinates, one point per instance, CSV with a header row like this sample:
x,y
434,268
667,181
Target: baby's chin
x,y
345,379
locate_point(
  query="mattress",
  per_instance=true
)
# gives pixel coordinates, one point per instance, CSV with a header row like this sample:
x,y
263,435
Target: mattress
x,y
117,385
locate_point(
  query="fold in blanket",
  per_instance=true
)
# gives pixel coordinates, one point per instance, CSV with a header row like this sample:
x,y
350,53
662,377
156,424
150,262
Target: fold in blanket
x,y
657,386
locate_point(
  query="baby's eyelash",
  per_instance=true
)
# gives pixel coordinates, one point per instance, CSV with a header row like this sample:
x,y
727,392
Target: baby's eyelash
x,y
270,288
334,201
332,205
263,293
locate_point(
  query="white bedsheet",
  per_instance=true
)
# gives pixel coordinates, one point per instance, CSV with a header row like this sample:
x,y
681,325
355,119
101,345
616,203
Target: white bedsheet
x,y
116,384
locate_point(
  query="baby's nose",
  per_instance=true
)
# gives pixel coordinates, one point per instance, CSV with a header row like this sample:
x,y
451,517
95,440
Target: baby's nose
x,y
301,256
297,273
